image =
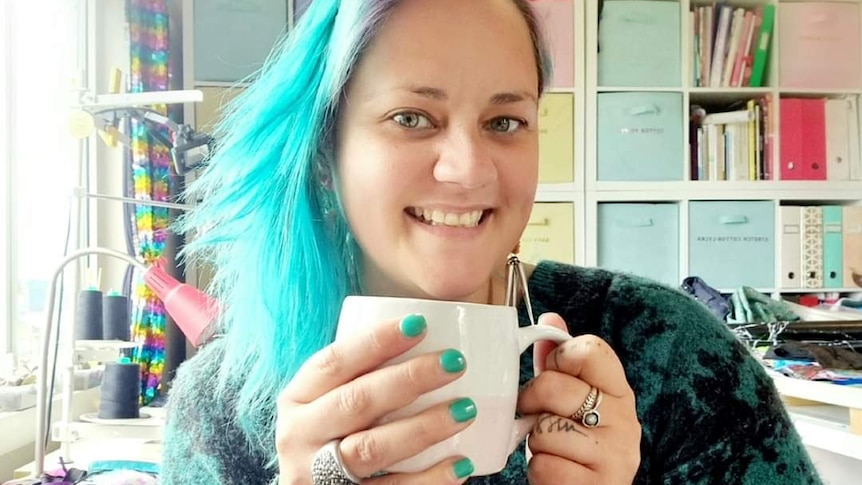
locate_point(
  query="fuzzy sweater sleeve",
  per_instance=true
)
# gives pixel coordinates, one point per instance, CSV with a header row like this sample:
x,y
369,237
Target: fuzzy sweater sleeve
x,y
202,442
711,413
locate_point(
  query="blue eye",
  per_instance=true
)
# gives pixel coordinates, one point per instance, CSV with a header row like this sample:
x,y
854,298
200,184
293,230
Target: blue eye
x,y
412,119
505,125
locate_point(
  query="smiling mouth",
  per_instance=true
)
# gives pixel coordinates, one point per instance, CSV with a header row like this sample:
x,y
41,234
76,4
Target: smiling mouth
x,y
431,217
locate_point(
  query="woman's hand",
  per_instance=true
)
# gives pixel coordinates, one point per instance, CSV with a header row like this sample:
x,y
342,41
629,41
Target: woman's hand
x,y
563,449
341,392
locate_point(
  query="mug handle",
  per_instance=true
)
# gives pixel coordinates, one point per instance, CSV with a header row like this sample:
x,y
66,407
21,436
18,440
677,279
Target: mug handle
x,y
527,336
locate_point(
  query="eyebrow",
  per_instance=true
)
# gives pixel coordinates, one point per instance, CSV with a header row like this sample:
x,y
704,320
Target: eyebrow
x,y
497,99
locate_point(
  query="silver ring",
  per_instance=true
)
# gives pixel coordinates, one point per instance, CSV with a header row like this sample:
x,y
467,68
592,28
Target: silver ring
x,y
592,418
588,405
328,467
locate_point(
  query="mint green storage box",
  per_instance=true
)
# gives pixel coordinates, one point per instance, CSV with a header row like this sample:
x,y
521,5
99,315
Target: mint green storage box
x,y
732,243
640,238
639,44
640,136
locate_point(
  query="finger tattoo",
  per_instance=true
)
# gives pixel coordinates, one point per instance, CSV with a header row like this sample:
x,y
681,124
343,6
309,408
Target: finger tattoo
x,y
556,424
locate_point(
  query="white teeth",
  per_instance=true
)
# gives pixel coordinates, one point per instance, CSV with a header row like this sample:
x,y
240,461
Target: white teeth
x,y
437,217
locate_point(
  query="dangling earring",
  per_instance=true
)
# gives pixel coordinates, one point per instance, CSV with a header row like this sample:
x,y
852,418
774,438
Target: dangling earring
x,y
516,278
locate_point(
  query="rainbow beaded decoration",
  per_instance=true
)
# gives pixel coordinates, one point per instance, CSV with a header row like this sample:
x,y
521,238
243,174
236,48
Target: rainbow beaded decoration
x,y
151,176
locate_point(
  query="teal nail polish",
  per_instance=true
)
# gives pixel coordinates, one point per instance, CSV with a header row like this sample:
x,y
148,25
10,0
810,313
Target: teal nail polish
x,y
412,326
463,468
463,410
452,361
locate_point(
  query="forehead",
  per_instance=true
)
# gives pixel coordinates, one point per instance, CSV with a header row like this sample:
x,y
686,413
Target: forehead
x,y
442,42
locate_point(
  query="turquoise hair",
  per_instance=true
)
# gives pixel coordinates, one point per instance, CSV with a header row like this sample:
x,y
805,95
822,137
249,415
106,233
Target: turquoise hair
x,y
267,222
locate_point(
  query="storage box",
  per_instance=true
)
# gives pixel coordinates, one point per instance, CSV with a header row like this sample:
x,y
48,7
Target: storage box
x,y
550,234
557,19
640,136
819,45
556,138
639,44
640,238
732,243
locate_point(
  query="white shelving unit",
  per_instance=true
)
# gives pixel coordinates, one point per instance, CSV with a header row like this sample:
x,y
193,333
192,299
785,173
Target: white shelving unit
x,y
828,416
586,192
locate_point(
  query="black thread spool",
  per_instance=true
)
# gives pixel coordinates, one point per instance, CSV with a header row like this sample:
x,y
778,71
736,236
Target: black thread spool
x,y
88,315
121,391
116,324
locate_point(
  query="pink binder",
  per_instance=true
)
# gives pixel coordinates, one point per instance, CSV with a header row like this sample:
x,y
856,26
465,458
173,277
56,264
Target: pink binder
x,y
557,19
814,139
791,126
819,45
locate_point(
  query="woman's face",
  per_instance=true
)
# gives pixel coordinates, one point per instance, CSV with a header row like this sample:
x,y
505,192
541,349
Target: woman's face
x,y
438,147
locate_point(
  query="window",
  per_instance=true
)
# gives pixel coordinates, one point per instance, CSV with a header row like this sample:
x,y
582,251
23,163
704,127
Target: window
x,y
5,157
39,57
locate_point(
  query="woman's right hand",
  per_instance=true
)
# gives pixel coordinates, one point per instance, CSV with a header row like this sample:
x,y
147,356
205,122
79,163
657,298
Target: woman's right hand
x,y
341,392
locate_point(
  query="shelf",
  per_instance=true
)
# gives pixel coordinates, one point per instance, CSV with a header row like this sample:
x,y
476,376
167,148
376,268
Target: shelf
x,y
849,397
819,290
622,89
725,95
802,92
562,90
728,190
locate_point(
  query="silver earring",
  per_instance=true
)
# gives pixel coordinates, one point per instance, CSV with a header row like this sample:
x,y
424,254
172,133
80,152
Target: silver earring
x,y
517,284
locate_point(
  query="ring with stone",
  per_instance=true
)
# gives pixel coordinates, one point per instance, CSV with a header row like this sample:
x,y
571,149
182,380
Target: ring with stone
x,y
592,418
328,467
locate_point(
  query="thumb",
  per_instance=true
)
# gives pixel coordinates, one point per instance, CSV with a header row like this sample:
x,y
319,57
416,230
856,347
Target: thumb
x,y
543,348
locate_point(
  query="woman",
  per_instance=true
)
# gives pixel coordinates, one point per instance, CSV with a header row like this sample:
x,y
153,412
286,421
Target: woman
x,y
391,148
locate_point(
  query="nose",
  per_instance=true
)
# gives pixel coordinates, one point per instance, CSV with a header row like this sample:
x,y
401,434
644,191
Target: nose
x,y
465,159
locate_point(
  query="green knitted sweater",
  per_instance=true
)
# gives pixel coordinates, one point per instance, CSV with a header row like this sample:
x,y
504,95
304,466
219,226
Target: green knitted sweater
x,y
709,413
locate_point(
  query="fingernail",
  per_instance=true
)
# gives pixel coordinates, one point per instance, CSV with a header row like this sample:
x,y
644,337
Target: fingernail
x,y
463,468
463,410
412,326
452,361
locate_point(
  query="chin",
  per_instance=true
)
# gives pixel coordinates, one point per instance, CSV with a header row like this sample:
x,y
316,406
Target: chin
x,y
455,286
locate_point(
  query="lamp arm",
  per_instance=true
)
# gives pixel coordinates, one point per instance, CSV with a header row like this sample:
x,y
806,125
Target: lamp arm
x,y
42,388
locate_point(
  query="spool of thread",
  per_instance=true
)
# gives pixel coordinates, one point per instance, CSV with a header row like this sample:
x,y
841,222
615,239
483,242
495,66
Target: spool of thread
x,y
116,324
88,315
121,390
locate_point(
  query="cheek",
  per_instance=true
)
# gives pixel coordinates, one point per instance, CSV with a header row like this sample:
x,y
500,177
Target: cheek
x,y
521,176
373,185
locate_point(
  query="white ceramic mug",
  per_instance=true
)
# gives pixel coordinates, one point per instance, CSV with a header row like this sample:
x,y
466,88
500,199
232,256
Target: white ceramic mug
x,y
492,342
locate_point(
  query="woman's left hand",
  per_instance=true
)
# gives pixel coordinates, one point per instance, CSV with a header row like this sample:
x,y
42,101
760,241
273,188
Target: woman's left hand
x,y
565,450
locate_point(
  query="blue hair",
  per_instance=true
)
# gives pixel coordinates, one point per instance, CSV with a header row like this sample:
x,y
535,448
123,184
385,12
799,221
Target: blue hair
x,y
267,222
